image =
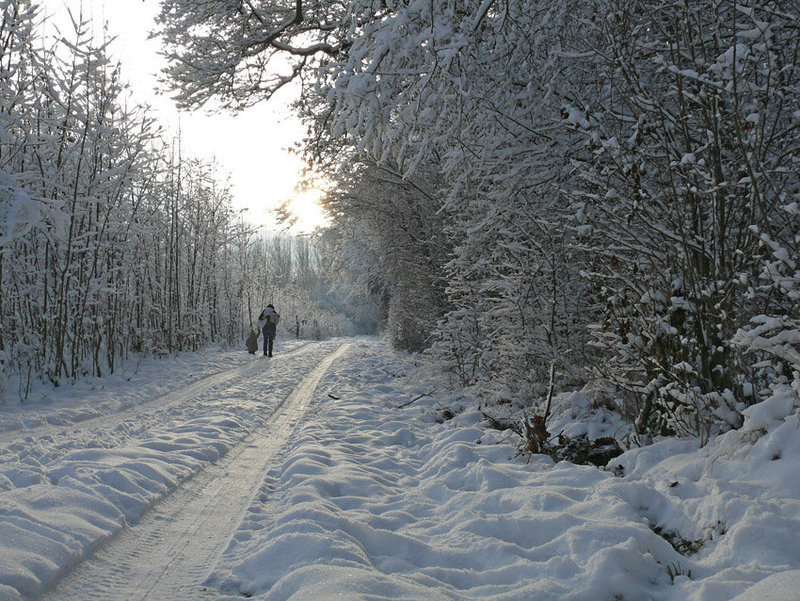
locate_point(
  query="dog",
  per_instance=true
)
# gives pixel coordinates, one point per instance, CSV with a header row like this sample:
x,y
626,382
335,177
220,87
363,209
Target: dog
x,y
252,342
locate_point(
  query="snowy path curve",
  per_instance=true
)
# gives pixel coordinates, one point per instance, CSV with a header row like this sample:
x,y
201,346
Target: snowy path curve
x,y
169,553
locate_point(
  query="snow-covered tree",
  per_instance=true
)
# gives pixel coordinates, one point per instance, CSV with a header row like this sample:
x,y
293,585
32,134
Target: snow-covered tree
x,y
111,240
389,236
239,53
690,139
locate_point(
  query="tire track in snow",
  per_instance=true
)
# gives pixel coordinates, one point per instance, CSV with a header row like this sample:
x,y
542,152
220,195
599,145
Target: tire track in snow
x,y
169,553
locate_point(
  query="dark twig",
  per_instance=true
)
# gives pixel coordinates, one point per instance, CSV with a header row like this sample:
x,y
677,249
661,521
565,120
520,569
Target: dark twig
x,y
415,399
550,391
503,424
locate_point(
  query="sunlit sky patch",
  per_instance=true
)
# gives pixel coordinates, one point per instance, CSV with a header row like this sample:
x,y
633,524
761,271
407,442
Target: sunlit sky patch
x,y
251,146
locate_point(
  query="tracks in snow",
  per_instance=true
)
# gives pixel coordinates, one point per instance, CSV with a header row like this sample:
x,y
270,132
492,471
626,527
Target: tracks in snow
x,y
170,552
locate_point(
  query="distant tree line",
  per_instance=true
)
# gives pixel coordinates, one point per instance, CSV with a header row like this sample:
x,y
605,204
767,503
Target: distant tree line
x,y
112,241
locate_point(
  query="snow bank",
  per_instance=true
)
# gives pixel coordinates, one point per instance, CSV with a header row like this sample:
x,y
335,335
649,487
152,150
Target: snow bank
x,y
376,502
779,587
52,516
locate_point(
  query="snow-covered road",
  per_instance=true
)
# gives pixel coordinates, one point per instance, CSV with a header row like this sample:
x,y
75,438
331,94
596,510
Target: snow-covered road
x,y
309,476
171,551
77,474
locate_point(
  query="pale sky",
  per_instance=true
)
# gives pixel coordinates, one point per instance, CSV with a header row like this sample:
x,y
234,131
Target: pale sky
x,y
251,146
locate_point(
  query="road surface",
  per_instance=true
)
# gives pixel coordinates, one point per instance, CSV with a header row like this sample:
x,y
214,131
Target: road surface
x,y
169,553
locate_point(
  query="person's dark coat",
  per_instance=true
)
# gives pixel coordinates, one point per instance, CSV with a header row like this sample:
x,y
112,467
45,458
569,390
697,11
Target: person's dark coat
x,y
268,321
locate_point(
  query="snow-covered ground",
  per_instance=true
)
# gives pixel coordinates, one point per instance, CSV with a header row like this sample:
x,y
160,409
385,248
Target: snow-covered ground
x,y
365,500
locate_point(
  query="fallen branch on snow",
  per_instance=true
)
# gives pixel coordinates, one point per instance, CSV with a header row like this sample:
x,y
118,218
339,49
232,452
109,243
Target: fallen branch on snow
x,y
415,399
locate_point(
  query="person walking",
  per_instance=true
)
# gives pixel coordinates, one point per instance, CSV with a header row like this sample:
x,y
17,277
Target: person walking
x,y
268,322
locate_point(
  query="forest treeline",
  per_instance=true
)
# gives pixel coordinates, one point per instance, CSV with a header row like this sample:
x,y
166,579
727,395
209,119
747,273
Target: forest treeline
x,y
548,194
112,240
